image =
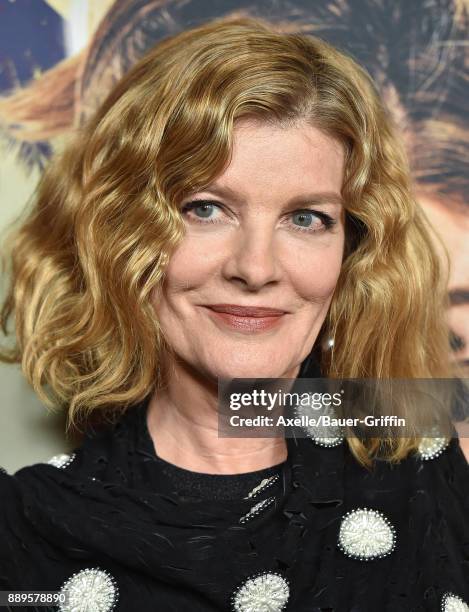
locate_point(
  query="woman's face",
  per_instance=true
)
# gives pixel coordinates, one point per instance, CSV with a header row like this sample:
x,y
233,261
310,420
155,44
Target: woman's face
x,y
268,232
453,226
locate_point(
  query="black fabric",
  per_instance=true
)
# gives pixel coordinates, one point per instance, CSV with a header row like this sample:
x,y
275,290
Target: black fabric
x,y
193,486
115,508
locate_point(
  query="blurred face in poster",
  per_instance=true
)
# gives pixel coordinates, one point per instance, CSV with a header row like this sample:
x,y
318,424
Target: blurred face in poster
x,y
451,221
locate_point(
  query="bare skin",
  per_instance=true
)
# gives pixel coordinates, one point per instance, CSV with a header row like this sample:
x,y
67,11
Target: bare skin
x,y
253,249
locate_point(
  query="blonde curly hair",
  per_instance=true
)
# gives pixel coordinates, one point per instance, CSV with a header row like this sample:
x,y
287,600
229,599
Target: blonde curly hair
x,y
105,221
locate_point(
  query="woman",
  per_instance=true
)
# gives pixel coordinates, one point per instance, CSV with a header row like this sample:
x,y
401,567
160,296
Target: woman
x,y
421,76
239,202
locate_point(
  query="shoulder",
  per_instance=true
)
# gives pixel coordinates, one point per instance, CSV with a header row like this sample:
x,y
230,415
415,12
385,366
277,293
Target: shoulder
x,y
428,492
31,501
444,463
101,455
421,505
438,462
15,532
12,485
439,468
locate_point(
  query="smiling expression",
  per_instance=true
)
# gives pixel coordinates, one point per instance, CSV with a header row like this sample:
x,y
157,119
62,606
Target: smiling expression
x,y
268,232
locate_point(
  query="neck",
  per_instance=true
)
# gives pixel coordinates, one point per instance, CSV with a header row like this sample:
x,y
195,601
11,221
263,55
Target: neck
x,y
182,420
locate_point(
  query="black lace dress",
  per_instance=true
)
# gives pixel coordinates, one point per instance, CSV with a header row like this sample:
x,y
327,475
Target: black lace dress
x,y
114,527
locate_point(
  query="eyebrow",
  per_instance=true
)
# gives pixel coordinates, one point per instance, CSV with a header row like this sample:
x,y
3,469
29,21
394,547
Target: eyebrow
x,y
315,198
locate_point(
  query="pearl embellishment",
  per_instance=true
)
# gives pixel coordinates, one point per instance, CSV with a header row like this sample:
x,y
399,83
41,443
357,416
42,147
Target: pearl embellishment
x,y
366,534
90,590
266,482
429,448
268,592
320,435
62,460
453,603
256,509
328,441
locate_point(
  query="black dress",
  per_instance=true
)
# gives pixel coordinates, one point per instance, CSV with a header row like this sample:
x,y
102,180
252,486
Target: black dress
x,y
115,527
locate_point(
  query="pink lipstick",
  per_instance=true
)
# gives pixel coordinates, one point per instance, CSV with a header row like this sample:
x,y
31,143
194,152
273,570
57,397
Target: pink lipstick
x,y
246,318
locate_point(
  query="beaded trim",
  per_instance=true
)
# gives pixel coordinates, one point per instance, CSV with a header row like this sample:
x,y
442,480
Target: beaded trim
x,y
366,534
328,442
430,448
266,591
453,603
89,589
262,486
62,460
315,432
256,509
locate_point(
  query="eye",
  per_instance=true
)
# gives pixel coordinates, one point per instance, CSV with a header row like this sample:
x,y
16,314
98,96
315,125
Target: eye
x,y
312,220
304,218
204,207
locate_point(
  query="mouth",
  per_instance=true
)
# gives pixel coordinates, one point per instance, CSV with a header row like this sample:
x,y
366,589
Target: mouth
x,y
247,311
245,319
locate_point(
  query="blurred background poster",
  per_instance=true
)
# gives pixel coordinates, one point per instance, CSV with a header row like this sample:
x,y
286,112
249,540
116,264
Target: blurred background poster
x,y
59,58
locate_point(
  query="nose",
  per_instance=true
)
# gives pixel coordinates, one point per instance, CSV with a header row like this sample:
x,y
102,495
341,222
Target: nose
x,y
253,260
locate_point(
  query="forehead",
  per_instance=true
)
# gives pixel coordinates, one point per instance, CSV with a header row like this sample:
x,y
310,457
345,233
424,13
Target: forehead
x,y
300,157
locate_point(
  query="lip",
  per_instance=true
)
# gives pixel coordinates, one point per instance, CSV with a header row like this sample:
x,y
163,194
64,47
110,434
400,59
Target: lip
x,y
246,311
247,323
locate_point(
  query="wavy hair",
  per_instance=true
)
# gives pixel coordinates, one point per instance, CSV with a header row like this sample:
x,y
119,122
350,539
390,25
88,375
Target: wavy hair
x,y
105,220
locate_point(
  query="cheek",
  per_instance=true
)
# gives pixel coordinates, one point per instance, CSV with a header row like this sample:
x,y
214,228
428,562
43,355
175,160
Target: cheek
x,y
314,270
310,267
190,265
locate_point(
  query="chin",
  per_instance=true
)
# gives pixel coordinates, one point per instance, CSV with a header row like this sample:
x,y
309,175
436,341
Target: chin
x,y
251,371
